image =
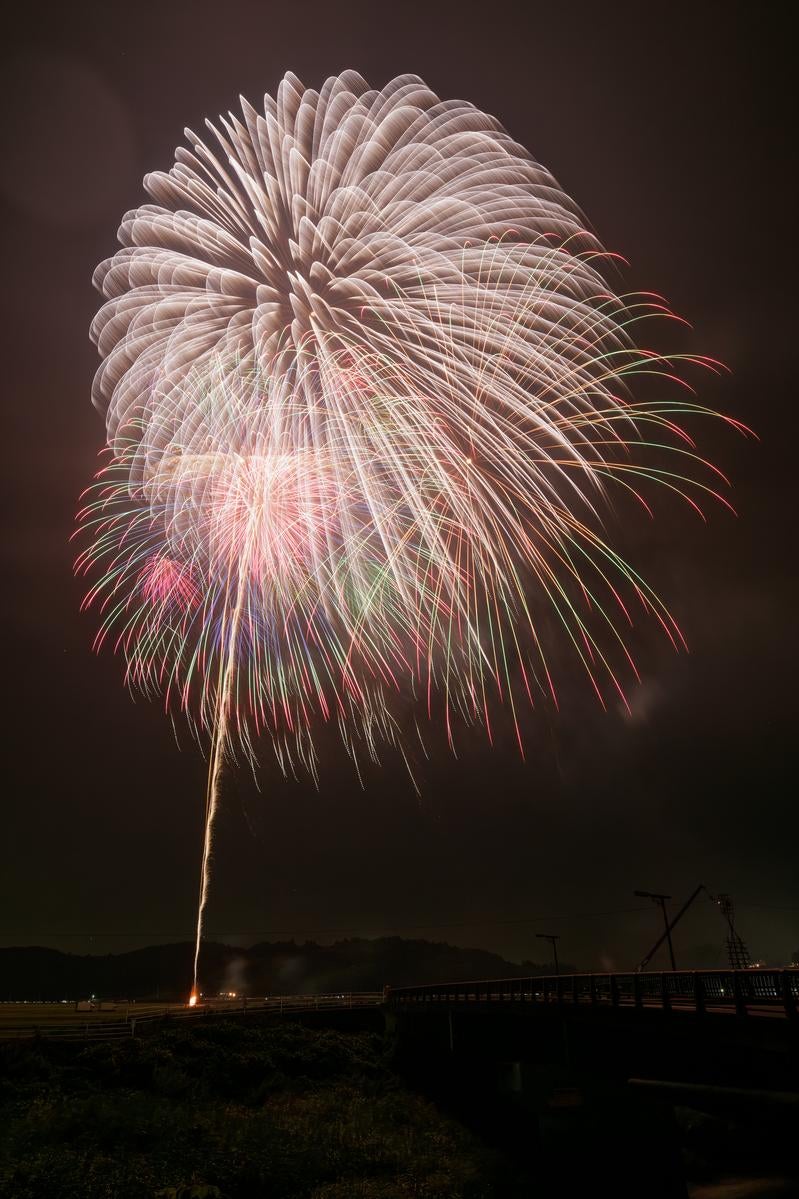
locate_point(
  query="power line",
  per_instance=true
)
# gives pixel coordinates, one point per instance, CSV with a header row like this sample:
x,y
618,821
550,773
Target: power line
x,y
768,907
360,930
302,932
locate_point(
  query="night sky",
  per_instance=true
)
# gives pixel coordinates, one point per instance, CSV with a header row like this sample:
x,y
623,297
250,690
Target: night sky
x,y
669,127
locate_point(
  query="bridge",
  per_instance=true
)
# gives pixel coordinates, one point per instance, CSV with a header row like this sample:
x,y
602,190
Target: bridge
x,y
698,1027
757,993
750,992
590,1071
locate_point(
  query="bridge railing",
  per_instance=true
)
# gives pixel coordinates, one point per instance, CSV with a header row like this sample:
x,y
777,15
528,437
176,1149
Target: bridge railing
x,y
744,992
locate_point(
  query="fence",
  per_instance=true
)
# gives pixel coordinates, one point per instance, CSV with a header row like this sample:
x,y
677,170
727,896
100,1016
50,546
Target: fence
x,y
135,1022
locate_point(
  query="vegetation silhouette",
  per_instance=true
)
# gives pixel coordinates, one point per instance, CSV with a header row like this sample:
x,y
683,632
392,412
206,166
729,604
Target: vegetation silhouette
x,y
230,1111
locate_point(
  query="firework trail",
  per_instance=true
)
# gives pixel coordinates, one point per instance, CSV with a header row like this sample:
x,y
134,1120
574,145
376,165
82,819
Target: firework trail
x,y
220,734
365,391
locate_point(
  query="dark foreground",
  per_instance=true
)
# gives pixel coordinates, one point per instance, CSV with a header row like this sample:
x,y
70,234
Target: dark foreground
x,y
273,1110
250,1110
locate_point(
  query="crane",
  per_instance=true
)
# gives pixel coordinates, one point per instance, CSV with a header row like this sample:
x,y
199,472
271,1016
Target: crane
x,y
666,936
737,952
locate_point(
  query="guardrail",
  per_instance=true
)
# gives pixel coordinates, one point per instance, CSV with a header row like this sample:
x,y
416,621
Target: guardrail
x,y
134,1023
756,992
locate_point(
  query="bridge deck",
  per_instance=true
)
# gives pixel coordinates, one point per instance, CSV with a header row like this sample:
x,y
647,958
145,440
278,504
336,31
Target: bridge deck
x,y
756,992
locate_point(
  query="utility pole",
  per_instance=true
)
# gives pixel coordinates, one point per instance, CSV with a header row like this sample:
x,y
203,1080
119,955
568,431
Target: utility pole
x,y
660,900
553,939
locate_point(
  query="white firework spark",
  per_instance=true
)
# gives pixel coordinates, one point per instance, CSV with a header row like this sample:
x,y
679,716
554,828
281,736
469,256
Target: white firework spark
x,y
365,388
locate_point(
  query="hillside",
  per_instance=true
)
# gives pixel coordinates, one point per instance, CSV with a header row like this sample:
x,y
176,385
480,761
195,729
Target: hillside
x,y
270,968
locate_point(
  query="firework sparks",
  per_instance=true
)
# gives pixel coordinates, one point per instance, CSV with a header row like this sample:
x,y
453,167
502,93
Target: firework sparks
x,y
365,391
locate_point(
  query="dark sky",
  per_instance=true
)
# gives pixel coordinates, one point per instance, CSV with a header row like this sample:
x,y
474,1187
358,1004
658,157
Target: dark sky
x,y
669,126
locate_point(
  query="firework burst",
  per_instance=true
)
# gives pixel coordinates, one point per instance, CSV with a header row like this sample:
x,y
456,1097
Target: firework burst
x,y
366,391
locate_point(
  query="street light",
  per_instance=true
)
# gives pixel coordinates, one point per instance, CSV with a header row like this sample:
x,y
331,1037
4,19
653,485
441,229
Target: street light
x,y
659,899
553,938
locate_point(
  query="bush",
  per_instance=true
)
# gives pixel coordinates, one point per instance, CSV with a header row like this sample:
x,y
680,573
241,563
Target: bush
x,y
226,1111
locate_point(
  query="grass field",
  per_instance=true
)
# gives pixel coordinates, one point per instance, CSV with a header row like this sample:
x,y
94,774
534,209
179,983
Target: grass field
x,y
22,1018
52,1019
